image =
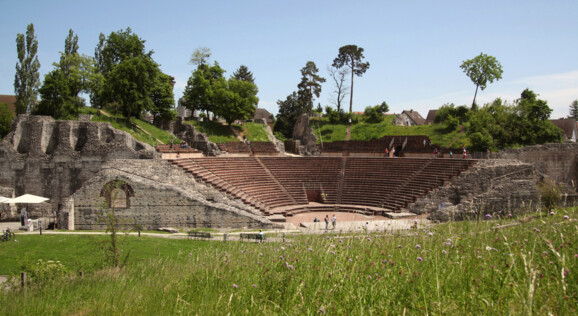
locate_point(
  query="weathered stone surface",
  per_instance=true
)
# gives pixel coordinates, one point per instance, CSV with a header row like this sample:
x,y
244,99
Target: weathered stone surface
x,y
559,161
53,159
278,144
490,187
306,137
188,133
161,195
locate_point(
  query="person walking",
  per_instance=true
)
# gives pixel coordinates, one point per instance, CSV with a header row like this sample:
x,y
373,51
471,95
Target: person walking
x,y
326,222
334,221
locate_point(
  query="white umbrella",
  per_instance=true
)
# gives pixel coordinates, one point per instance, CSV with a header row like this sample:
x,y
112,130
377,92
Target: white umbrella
x,y
27,198
4,199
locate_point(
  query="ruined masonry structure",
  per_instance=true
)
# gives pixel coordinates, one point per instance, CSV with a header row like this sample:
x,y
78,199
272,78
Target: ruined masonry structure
x,y
86,168
72,163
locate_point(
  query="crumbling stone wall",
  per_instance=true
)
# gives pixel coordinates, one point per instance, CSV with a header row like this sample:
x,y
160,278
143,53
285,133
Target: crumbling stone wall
x,y
559,161
188,133
54,159
162,195
307,145
497,186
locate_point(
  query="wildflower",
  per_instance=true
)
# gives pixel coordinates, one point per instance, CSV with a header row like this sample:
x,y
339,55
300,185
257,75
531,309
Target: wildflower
x,y
430,233
417,246
282,248
536,230
368,238
254,285
444,252
419,259
398,246
566,217
235,285
552,213
332,252
322,311
488,216
310,249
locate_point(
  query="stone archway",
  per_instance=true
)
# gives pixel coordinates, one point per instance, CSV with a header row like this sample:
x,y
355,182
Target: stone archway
x,y
117,194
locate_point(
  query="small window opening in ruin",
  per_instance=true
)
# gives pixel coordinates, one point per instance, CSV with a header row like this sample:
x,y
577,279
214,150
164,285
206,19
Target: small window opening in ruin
x,y
117,194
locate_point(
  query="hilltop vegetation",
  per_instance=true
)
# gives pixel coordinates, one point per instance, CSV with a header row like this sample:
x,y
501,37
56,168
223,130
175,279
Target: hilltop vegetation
x,y
440,134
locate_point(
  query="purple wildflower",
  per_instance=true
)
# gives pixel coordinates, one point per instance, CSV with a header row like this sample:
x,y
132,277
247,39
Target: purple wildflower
x,y
419,259
566,217
235,285
418,246
488,216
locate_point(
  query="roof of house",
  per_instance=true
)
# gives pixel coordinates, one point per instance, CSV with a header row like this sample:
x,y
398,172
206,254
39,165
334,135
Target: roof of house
x,y
431,116
10,100
568,126
415,117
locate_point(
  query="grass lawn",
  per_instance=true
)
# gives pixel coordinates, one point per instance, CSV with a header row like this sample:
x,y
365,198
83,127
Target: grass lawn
x,y
438,133
456,268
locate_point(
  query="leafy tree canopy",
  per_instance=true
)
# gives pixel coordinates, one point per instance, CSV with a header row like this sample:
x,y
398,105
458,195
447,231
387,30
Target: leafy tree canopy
x,y
289,111
499,125
351,56
481,70
129,76
6,117
27,77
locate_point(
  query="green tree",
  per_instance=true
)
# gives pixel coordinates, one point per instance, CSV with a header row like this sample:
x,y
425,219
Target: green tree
x,y
163,97
373,114
200,56
498,125
450,110
128,75
237,100
6,117
62,86
244,74
311,82
383,107
202,87
351,56
27,78
289,111
480,70
574,110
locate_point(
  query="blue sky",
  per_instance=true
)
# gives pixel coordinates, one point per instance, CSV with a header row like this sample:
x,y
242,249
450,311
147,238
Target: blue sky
x,y
414,47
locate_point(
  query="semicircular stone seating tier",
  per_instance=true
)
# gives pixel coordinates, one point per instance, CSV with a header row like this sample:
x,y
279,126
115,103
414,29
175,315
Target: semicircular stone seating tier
x,y
275,184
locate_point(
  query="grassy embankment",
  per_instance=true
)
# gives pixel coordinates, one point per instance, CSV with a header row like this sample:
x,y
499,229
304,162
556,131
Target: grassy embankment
x,y
452,268
438,133
219,133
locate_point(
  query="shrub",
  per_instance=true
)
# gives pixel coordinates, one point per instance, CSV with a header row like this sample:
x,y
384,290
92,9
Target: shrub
x,y
43,271
550,193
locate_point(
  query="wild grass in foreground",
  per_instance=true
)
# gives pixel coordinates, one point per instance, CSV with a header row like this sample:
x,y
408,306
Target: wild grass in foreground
x,y
484,267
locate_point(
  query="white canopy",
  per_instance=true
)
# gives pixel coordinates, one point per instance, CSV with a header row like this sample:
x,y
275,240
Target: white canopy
x,y
26,198
2,199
